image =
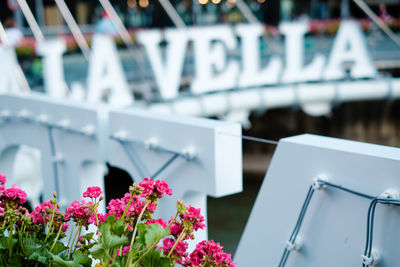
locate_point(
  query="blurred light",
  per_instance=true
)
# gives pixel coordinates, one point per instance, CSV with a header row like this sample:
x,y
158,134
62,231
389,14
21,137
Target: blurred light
x,y
144,3
216,2
203,2
230,3
261,1
131,3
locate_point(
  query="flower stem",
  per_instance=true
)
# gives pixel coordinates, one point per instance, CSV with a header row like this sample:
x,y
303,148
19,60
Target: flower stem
x,y
176,216
127,206
134,232
181,236
138,221
146,252
10,234
73,239
70,236
51,222
55,240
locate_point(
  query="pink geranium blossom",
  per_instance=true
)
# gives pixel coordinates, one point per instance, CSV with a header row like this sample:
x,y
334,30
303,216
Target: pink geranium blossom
x,y
125,251
193,215
13,194
179,252
209,253
44,212
80,213
93,192
162,188
175,229
148,186
2,178
157,189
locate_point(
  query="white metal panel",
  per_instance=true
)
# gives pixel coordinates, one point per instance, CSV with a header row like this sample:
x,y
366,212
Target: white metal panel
x,y
215,170
63,132
334,227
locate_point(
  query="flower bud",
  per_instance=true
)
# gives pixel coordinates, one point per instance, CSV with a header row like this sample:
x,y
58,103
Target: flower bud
x,y
180,207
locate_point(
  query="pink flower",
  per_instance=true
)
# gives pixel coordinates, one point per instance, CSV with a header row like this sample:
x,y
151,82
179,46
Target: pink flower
x,y
162,188
148,186
175,229
193,215
125,251
80,213
2,178
209,253
65,227
151,207
179,251
93,192
158,221
116,207
41,214
13,194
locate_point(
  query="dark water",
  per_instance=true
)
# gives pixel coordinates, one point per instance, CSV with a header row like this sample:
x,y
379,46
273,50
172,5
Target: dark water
x,y
227,216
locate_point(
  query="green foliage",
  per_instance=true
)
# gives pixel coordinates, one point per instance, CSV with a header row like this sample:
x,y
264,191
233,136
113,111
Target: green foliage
x,y
155,258
37,239
153,233
78,260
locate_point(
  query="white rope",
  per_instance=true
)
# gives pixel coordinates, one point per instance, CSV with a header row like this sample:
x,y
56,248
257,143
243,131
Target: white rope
x,y
122,31
73,26
169,8
247,13
378,21
37,32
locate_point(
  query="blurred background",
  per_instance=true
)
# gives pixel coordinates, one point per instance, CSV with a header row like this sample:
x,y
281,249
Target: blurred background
x,y
375,121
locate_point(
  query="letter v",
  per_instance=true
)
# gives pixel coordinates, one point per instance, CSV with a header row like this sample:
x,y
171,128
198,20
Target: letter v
x,y
167,72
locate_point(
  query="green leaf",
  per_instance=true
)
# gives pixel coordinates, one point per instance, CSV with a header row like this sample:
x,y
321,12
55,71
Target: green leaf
x,y
17,260
140,240
59,247
3,243
154,233
97,251
110,220
118,228
88,236
41,255
115,264
30,245
110,241
155,259
117,241
59,262
78,260
81,259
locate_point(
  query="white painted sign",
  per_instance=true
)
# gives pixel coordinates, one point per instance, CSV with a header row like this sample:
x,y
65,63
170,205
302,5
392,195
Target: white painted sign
x,y
215,69
76,140
334,226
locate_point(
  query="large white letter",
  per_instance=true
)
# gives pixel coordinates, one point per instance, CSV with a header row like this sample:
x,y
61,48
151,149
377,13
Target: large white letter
x,y
251,74
106,73
210,47
349,46
53,72
168,74
294,50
